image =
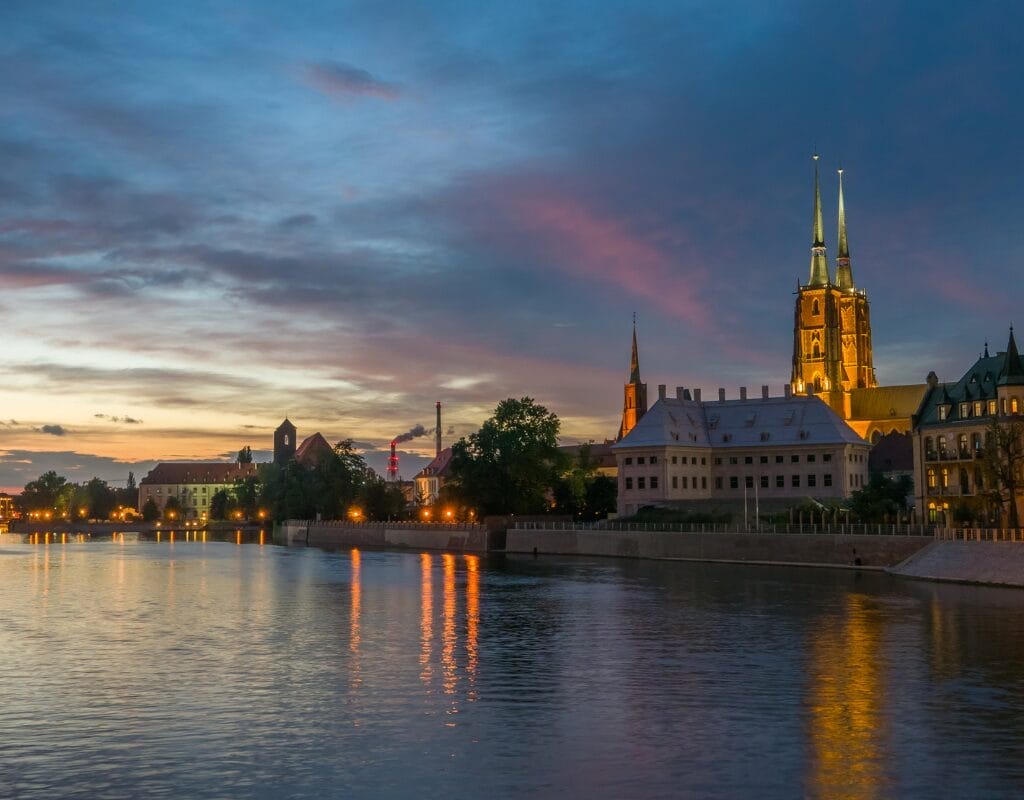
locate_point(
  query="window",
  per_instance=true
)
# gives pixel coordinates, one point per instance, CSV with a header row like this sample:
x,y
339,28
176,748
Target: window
x,y
943,412
703,484
778,459
734,482
640,483
942,446
703,461
811,458
718,461
979,479
795,459
965,410
629,460
931,479
629,483
991,407
675,481
826,479
718,483
750,481
944,476
815,308
961,443
764,459
748,460
673,459
827,457
639,459
976,442
1014,405
812,480
654,459
686,480
780,481
734,460
977,408
795,482
654,481
764,481
693,460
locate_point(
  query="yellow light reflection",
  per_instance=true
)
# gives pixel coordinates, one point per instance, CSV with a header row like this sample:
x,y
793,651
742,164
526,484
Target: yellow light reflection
x,y
472,619
845,698
451,675
355,678
426,616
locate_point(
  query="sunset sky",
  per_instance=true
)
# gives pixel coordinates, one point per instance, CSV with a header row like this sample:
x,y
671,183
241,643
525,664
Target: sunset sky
x,y
216,214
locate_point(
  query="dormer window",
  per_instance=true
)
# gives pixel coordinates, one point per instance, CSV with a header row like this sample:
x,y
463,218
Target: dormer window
x,y
965,410
943,412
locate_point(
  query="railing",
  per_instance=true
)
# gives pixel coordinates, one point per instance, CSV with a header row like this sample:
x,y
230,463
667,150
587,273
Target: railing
x,y
980,534
859,529
408,524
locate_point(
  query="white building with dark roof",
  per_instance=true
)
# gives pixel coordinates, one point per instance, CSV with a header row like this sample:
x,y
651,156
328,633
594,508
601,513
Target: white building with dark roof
x,y
774,448
192,483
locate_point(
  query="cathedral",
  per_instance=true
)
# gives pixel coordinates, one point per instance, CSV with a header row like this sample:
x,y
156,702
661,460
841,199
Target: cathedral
x,y
832,353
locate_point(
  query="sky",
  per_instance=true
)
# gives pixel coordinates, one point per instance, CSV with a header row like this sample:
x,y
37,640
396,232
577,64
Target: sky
x,y
214,215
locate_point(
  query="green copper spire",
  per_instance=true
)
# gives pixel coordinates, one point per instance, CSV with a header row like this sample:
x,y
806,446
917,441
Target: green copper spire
x,y
819,263
844,275
634,362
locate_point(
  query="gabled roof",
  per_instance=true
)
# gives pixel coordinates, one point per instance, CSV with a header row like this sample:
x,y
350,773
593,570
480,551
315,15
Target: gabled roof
x,y
740,423
438,467
313,450
978,383
198,472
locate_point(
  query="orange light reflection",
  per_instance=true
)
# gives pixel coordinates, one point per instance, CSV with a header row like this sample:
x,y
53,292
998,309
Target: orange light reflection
x,y
426,617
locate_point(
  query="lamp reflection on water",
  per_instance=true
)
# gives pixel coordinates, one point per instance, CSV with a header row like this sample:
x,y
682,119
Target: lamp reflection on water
x,y
846,694
355,676
449,668
472,618
426,617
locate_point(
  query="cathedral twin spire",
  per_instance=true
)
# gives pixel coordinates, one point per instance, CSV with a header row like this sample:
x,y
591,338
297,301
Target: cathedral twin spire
x,y
819,261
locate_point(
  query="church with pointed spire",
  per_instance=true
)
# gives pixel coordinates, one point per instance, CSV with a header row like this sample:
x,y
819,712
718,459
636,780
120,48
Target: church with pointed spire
x,y
634,402
833,356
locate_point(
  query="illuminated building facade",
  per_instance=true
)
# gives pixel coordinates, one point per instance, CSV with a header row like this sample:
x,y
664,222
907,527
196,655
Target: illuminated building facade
x,y
832,351
193,484
431,478
634,404
951,430
765,450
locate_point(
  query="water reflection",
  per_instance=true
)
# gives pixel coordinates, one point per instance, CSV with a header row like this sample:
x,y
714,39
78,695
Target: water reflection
x,y
355,608
426,617
472,619
846,696
448,666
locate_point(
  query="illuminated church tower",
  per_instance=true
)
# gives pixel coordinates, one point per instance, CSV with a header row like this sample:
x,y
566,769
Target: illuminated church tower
x,y
832,325
634,404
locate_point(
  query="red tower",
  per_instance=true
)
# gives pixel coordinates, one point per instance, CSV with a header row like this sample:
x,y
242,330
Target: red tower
x,y
393,462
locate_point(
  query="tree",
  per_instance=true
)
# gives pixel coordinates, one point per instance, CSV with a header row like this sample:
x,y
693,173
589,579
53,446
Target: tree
x,y
883,498
172,508
582,492
245,455
510,464
150,510
129,495
46,493
99,499
380,500
246,495
1003,463
219,504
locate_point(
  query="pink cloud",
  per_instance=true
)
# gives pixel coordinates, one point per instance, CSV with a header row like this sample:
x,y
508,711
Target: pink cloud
x,y
345,80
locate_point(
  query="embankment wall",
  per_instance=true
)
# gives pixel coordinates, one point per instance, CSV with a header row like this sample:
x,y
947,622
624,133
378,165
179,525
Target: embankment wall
x,y
788,548
331,536
992,563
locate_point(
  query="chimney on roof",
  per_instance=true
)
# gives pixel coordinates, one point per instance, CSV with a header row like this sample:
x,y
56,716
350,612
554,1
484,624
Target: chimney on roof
x,y
764,392
661,391
680,393
721,395
787,391
696,395
743,393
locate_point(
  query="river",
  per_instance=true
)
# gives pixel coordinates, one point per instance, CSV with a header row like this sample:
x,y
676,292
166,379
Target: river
x,y
210,669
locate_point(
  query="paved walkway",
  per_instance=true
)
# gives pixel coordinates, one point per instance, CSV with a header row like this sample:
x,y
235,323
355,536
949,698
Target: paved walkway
x,y
996,563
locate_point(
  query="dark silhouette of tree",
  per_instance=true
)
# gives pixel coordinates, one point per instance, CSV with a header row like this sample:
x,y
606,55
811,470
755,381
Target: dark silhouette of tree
x,y
582,492
245,455
882,498
99,499
511,463
150,510
1003,463
219,504
380,500
172,508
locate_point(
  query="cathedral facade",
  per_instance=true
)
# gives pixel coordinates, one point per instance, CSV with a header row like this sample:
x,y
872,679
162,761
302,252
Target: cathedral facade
x,y
832,350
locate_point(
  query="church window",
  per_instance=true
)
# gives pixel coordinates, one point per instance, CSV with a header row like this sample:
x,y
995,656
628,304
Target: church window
x,y
817,383
816,351
815,308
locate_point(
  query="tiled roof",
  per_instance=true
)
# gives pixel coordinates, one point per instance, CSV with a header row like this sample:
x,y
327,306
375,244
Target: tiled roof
x,y
313,450
439,466
740,423
887,402
197,472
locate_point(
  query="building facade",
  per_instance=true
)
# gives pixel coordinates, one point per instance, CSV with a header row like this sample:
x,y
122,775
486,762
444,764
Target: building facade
x,y
767,449
953,428
193,484
430,480
832,351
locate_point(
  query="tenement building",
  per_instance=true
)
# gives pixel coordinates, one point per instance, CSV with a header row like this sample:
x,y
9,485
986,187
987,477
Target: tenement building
x,y
952,430
764,449
832,351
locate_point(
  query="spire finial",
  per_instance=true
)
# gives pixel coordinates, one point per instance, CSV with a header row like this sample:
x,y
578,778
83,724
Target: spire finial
x,y
819,264
986,348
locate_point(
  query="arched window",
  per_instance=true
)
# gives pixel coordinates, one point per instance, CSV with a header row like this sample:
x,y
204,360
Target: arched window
x,y
287,439
961,444
965,486
816,351
815,308
817,383
976,442
931,479
942,447
944,477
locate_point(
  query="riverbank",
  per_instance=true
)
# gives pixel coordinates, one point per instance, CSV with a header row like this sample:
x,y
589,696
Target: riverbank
x,y
982,563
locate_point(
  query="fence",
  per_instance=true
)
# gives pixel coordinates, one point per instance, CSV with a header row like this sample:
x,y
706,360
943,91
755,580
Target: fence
x,y
980,534
848,528
407,525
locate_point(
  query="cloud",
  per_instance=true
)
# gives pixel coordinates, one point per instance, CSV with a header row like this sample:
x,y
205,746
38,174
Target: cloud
x,y
298,221
126,420
344,80
54,430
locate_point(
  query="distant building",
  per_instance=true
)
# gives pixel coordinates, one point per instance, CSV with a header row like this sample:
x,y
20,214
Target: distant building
x,y
634,402
6,506
950,431
601,454
192,483
313,450
284,443
770,448
832,349
430,480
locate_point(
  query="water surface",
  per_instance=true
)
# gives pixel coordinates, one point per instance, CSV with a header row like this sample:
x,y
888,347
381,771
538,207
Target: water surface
x,y
194,669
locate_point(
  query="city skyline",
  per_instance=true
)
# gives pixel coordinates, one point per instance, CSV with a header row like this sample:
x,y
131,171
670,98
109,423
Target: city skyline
x,y
215,216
